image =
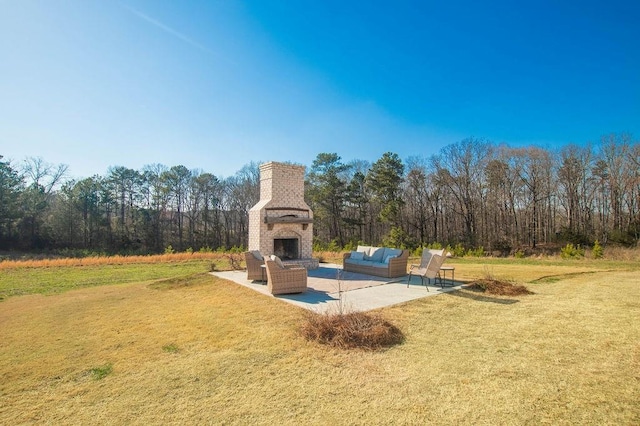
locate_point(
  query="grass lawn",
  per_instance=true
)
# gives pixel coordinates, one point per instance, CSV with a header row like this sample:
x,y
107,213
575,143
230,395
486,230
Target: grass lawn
x,y
178,345
21,281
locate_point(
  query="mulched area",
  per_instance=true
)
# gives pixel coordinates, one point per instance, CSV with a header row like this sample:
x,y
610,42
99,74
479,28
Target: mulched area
x,y
499,288
352,330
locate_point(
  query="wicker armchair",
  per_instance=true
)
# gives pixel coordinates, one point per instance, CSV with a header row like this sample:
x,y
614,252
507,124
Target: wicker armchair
x,y
254,261
284,280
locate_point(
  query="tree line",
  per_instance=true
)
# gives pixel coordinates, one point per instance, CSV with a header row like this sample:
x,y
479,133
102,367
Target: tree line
x,y
126,211
473,193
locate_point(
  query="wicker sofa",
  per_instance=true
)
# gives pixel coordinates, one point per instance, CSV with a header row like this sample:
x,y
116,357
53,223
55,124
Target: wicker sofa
x,y
283,279
378,261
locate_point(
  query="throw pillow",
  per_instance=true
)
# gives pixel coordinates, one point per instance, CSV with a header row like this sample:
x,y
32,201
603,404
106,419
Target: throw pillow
x,y
357,255
257,254
392,252
386,259
377,254
278,261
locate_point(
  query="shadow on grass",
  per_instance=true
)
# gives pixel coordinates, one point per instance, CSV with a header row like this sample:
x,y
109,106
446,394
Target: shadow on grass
x,y
479,297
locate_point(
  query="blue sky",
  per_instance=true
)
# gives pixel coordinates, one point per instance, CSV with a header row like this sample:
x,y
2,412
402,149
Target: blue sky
x,y
215,85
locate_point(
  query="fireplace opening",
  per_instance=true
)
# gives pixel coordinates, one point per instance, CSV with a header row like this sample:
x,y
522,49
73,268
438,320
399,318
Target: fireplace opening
x,y
286,248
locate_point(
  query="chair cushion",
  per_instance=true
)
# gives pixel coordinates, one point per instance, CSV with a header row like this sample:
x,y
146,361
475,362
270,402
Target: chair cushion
x,y
257,254
426,258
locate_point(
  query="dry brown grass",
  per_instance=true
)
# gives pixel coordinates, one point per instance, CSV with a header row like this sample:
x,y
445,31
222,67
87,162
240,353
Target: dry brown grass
x,y
203,350
533,270
329,256
109,260
351,330
621,254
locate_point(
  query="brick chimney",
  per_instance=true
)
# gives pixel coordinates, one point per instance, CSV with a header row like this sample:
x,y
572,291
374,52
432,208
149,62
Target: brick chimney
x,y
282,222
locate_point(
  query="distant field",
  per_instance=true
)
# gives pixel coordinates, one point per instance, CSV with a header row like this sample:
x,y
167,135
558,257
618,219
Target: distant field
x,y
166,342
48,276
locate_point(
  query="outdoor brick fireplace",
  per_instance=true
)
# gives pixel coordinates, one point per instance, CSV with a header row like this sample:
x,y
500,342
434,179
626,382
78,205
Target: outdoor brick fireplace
x,y
282,223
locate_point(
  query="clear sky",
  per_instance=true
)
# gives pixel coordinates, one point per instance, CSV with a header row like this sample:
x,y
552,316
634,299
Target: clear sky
x,y
215,85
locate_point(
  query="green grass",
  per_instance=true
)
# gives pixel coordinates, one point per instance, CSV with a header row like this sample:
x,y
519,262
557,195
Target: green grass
x,y
51,280
99,373
171,348
568,354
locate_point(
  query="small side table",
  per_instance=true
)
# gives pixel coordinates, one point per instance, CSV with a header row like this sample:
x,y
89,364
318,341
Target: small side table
x,y
443,275
263,268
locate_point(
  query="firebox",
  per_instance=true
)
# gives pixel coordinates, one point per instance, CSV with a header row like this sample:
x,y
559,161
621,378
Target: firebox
x,y
286,248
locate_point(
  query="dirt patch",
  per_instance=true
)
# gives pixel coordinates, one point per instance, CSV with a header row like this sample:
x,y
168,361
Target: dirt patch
x,y
499,288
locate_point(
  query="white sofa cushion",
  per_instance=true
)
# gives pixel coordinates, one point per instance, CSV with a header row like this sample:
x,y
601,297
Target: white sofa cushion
x,y
364,249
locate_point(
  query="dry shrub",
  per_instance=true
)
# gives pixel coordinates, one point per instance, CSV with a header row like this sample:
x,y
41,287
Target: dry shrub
x,y
235,260
499,288
622,253
328,256
353,330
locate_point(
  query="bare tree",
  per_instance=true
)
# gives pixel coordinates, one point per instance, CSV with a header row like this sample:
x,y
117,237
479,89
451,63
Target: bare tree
x,y
536,172
461,168
576,190
419,214
41,178
178,181
619,170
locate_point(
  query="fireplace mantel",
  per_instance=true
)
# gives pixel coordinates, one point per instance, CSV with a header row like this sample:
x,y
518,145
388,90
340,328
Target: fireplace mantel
x,y
287,219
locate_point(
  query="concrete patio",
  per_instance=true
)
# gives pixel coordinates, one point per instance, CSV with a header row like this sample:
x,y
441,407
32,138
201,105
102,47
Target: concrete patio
x,y
359,292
